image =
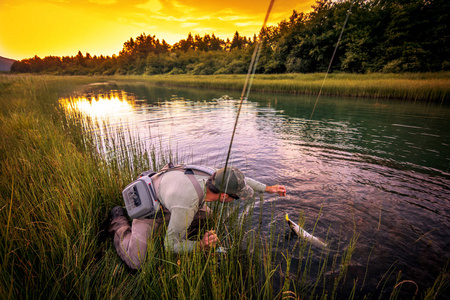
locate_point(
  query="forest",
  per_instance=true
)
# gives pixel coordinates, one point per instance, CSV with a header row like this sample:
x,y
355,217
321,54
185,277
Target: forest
x,y
390,36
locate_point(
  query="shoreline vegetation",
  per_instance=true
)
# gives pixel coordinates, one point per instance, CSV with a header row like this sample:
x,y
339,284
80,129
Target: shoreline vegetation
x,y
434,87
411,86
56,189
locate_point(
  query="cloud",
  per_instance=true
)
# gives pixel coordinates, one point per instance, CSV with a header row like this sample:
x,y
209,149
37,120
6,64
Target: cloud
x,y
189,24
187,9
203,29
143,25
247,24
152,5
232,18
103,2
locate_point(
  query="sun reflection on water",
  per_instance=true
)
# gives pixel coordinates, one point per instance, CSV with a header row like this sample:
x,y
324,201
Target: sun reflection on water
x,y
101,106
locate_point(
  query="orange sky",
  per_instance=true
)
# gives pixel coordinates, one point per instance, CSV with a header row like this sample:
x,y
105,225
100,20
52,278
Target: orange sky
x,y
62,27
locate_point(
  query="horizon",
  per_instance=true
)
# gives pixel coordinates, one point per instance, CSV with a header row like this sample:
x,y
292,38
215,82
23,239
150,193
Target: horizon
x,y
101,27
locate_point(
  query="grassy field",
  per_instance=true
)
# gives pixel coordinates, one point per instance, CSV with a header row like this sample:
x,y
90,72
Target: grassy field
x,y
423,86
56,189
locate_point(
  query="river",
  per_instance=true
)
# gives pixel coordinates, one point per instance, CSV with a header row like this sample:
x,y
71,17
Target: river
x,y
380,167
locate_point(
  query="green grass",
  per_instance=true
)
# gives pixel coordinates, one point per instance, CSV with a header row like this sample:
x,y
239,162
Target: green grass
x,y
56,189
422,86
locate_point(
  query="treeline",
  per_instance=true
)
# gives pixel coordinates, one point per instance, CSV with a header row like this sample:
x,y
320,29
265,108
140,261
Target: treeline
x,y
380,36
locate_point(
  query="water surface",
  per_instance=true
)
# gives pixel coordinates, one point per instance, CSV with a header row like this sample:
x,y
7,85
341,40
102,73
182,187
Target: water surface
x,y
380,167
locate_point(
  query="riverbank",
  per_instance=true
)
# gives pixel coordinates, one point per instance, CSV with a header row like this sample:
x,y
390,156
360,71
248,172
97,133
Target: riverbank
x,y
433,87
410,86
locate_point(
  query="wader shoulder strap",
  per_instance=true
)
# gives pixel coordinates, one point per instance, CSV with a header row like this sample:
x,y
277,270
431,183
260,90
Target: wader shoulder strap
x,y
195,183
189,173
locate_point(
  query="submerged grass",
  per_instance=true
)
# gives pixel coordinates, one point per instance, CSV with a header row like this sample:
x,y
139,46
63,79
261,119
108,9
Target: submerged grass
x,y
56,188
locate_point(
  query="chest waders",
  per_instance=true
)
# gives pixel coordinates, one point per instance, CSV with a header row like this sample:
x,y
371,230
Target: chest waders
x,y
140,196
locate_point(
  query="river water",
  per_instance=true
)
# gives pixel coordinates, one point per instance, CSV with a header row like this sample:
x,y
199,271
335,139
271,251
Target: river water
x,y
380,167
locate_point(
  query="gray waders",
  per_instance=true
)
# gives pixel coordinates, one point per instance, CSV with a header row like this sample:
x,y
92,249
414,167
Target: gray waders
x,y
131,241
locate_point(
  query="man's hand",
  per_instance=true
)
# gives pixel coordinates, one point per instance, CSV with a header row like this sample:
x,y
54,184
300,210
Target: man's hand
x,y
209,240
279,189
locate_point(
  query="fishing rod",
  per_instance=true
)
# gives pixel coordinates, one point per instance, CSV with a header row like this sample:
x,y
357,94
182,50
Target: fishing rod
x,y
245,91
332,58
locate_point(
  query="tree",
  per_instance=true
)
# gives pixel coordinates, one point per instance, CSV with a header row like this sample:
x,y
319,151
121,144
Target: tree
x,y
142,46
236,42
185,45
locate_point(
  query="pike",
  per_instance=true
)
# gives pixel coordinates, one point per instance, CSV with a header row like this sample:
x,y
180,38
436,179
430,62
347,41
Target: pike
x,y
305,235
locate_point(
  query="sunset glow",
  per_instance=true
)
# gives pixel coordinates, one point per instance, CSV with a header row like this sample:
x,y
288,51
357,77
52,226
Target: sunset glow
x,y
100,27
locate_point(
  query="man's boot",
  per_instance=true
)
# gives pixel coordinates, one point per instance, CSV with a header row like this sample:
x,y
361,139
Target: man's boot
x,y
106,228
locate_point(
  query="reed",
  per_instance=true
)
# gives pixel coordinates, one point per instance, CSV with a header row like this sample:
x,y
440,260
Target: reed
x,y
409,86
57,186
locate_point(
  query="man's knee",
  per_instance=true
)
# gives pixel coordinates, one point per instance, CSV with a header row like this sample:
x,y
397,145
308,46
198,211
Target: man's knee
x,y
132,251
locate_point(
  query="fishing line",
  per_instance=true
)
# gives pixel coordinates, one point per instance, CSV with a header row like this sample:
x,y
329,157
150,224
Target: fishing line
x,y
332,58
245,91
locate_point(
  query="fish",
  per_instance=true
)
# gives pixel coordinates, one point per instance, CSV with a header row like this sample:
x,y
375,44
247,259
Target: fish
x,y
304,234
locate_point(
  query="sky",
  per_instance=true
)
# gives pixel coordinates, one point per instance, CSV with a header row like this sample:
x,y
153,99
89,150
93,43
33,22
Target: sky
x,y
100,27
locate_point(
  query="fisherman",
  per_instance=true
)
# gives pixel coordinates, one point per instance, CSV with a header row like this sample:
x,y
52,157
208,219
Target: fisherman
x,y
181,208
